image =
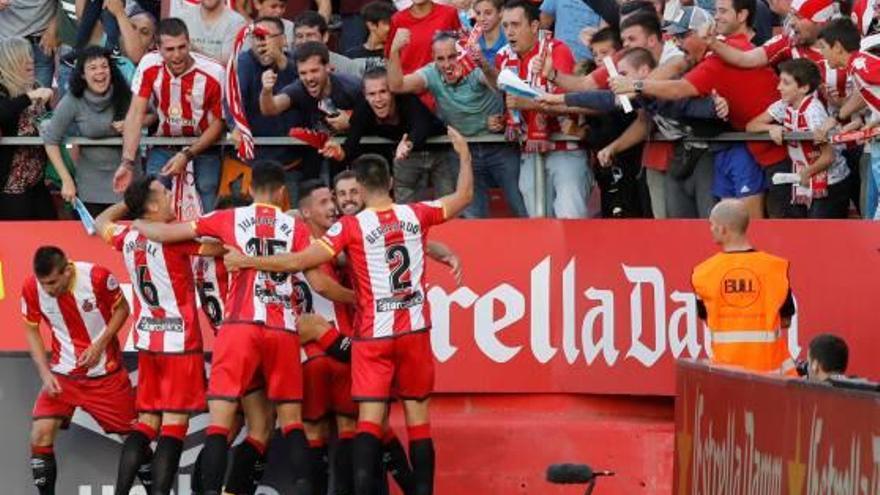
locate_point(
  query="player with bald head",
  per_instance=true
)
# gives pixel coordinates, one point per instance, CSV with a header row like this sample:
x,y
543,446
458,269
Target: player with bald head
x,y
744,296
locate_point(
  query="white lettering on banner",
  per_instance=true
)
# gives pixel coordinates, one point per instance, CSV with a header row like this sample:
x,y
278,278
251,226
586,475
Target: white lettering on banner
x,y
598,331
486,327
828,479
725,466
638,350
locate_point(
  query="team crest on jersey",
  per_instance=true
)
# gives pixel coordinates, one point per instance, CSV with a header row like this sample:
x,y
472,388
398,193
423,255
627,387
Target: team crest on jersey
x,y
334,229
88,305
112,283
175,112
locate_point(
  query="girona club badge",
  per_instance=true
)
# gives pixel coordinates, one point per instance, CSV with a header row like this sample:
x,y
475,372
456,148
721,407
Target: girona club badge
x,y
187,204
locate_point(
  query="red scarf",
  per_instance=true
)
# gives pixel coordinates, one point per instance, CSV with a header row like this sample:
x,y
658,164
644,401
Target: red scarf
x,y
233,92
803,153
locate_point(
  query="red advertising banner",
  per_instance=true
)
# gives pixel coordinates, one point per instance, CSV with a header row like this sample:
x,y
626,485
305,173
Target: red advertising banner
x,y
737,433
572,306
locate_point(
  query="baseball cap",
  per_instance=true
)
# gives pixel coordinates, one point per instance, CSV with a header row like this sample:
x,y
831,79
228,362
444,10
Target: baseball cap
x,y
688,19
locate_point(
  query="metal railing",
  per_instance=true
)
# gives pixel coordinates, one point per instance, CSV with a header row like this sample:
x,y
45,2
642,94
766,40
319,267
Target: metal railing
x,y
540,197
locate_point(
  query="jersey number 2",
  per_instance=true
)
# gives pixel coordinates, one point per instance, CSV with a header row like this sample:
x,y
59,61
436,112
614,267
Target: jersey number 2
x,y
398,261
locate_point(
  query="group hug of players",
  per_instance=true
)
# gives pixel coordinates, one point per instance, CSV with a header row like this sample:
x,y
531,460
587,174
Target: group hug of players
x,y
323,314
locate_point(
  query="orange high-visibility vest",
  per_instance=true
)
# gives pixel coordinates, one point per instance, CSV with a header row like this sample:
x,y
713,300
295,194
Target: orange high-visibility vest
x,y
742,293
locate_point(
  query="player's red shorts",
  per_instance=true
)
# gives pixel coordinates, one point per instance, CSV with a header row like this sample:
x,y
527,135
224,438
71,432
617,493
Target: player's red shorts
x,y
243,349
403,364
171,382
326,389
109,399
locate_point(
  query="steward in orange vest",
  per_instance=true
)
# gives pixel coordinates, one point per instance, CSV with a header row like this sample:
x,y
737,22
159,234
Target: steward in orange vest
x,y
744,296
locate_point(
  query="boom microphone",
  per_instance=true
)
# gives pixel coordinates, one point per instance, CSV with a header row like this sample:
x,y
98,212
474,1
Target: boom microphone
x,y
573,474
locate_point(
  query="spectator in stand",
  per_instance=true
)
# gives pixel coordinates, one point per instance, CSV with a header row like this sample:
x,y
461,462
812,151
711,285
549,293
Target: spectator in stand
x,y
823,191
604,43
469,101
489,20
377,16
422,20
275,8
23,194
130,45
323,98
568,18
738,169
145,25
294,8
213,28
808,18
311,26
96,103
405,120
197,114
354,29
569,178
267,53
35,21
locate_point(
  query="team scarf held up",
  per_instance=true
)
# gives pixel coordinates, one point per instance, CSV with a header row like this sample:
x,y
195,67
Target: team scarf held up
x,y
803,153
532,128
233,91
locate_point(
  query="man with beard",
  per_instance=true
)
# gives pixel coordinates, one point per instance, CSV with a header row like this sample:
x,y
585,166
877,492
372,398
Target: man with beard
x,y
324,99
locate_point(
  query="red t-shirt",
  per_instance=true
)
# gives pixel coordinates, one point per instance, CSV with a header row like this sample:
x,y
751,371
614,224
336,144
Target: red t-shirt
x,y
748,92
600,75
417,53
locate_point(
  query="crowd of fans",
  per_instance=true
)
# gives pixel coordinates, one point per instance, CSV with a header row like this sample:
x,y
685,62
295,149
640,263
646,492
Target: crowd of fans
x,y
406,70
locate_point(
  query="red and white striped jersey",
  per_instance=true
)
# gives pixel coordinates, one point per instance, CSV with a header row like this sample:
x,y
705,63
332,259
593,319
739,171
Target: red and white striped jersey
x,y
308,301
212,284
865,70
187,104
386,250
77,317
258,230
783,47
166,319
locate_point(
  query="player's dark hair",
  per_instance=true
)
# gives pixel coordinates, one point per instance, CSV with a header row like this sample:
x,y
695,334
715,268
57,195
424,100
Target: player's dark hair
x,y
606,34
312,19
267,176
804,71
529,9
234,200
378,11
841,31
47,260
137,195
376,72
275,21
172,26
749,5
648,21
639,57
371,171
311,49
344,175
629,8
830,351
306,188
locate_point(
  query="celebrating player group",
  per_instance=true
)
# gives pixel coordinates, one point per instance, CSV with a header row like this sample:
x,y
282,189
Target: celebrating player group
x,y
320,315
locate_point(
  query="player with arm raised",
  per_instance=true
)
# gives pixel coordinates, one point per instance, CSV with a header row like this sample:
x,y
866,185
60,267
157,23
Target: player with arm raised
x,y
259,326
385,245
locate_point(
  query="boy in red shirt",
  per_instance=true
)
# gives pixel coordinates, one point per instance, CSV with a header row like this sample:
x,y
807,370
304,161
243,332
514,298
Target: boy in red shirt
x,y
423,20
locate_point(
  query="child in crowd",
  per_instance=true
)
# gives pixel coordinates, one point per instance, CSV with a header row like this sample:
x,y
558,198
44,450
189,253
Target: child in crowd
x,y
488,14
377,17
604,43
821,191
